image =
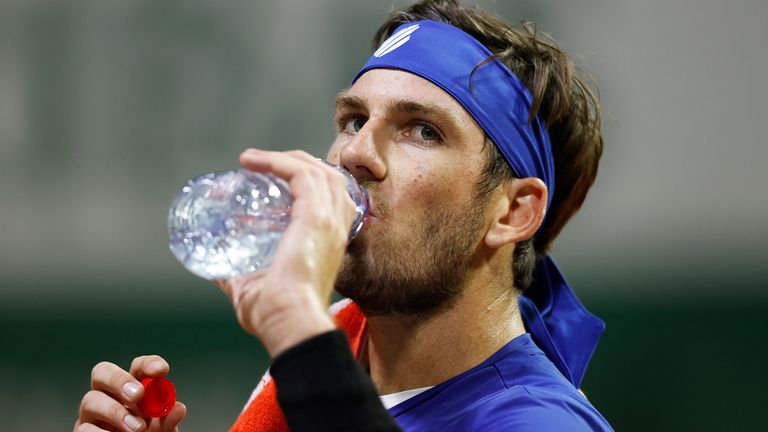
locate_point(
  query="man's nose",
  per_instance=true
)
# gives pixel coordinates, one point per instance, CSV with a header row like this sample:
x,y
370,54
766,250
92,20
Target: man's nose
x,y
361,154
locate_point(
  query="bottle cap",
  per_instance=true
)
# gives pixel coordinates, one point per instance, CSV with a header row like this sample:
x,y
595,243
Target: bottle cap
x,y
159,397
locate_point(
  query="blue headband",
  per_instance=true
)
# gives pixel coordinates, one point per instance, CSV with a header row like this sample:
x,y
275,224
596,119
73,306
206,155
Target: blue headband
x,y
500,103
493,95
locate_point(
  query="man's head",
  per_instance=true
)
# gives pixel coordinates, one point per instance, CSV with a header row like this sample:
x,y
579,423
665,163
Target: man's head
x,y
385,106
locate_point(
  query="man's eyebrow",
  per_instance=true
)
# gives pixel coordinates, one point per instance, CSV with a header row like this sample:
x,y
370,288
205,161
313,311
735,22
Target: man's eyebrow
x,y
410,106
349,102
355,103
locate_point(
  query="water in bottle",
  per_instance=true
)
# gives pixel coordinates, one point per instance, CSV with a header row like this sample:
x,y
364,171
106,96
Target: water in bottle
x,y
227,224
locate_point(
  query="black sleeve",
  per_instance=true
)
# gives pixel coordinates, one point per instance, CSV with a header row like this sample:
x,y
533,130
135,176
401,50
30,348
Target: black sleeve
x,y
321,387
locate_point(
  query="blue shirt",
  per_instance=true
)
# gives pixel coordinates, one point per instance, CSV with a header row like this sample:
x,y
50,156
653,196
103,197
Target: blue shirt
x,y
516,389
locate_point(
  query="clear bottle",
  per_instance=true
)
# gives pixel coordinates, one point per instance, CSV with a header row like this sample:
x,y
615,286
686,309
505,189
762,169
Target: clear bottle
x,y
228,224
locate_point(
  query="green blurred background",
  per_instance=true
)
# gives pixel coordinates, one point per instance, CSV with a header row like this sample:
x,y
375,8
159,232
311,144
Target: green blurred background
x,y
108,106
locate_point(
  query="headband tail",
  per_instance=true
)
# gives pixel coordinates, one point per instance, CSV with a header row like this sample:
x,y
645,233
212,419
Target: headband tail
x,y
561,326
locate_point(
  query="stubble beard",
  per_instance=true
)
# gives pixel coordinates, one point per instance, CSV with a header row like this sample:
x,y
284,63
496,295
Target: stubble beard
x,y
420,273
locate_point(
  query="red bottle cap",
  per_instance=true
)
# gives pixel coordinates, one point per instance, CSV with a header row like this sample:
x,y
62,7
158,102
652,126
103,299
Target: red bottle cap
x,y
159,397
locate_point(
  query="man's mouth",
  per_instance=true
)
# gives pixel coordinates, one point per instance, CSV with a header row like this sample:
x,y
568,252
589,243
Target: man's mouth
x,y
368,218
373,210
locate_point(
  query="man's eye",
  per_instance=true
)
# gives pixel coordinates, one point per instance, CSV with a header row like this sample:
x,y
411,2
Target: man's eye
x,y
425,133
353,125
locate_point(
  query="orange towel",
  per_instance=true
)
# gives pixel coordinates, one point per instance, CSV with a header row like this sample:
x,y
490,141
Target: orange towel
x,y
262,413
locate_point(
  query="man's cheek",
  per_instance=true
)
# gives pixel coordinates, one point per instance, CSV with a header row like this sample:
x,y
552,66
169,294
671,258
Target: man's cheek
x,y
425,192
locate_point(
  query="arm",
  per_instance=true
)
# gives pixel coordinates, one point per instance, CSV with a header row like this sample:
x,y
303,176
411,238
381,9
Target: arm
x,y
320,385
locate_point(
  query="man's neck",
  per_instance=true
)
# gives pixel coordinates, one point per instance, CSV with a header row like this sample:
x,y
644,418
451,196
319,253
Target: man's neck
x,y
406,352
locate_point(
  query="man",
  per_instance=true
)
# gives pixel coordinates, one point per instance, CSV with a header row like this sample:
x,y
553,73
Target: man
x,y
473,165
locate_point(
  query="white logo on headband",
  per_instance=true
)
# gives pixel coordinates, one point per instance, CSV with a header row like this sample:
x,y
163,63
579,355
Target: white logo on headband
x,y
395,41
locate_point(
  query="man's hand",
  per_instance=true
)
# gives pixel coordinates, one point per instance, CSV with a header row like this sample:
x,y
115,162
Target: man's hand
x,y
287,303
111,405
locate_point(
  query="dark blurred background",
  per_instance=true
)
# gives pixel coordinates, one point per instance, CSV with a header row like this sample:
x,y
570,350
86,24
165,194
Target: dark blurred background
x,y
108,106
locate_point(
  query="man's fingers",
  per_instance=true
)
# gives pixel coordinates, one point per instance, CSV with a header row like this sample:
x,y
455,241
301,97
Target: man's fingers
x,y
283,164
299,169
295,166
88,427
225,287
314,184
149,366
99,407
253,155
170,423
109,378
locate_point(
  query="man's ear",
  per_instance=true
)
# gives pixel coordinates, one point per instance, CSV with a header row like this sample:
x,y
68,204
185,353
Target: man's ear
x,y
519,213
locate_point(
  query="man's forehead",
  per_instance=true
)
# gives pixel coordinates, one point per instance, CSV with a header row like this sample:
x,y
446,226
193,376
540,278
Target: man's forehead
x,y
402,91
398,84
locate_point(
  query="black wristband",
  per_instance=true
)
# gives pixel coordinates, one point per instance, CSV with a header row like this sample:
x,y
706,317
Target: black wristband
x,y
320,386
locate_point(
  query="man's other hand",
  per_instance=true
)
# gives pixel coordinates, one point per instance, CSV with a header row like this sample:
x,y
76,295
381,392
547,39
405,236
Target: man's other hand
x,y
112,402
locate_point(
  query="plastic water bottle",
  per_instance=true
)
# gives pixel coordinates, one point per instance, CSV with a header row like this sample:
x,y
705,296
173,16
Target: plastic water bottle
x,y
227,224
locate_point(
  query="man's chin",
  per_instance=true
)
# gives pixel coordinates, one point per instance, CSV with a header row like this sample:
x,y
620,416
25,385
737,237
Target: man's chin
x,y
384,295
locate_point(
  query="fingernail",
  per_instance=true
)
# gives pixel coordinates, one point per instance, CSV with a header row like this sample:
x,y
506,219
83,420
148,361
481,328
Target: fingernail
x,y
156,366
133,423
130,389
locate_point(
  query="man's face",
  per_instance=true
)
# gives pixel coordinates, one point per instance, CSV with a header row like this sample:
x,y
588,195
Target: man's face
x,y
420,156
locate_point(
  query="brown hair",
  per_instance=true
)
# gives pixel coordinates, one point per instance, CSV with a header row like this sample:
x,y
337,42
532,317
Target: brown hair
x,y
561,98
